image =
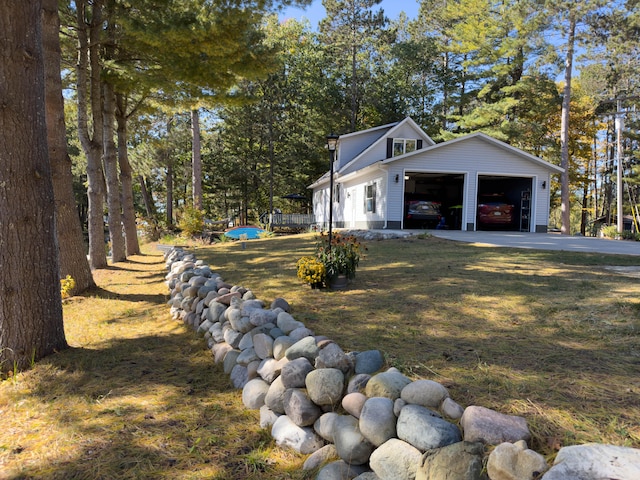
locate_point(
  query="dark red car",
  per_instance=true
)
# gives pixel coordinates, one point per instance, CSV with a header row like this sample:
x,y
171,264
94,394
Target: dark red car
x,y
495,211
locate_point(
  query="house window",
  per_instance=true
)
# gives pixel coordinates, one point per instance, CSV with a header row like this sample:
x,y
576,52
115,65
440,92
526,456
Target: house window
x,y
336,193
370,198
403,145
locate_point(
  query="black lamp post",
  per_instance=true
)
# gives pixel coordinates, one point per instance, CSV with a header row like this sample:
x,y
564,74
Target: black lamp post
x,y
332,143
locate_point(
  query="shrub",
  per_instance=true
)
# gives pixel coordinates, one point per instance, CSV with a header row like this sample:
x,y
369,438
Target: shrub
x,y
191,221
67,285
609,231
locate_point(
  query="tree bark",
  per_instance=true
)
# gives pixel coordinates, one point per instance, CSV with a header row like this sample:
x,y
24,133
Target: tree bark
x,y
564,130
72,254
196,166
146,198
30,305
89,90
118,250
126,180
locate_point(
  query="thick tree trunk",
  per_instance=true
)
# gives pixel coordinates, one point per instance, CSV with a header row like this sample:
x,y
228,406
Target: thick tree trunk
x,y
118,251
196,180
30,305
126,180
564,130
88,78
73,255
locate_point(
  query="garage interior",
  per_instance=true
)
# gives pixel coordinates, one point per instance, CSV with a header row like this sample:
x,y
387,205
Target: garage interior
x,y
446,191
515,191
441,188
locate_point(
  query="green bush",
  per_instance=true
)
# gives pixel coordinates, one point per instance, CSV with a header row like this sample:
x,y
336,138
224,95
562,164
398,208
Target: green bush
x,y
610,231
191,221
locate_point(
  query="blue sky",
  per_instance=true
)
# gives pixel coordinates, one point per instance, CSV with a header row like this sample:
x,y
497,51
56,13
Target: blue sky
x,y
315,12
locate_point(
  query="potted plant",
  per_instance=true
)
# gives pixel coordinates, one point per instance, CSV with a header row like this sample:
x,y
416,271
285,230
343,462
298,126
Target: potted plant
x,y
340,259
311,271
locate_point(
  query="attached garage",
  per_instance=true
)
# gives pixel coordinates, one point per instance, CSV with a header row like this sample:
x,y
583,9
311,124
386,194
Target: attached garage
x,y
473,182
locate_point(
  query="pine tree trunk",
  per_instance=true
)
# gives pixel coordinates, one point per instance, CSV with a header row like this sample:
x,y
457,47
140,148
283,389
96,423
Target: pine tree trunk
x,y
196,179
73,255
118,251
146,198
89,91
126,180
30,306
564,131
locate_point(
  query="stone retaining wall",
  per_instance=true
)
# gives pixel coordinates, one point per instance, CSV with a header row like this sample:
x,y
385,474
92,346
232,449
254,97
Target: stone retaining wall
x,y
355,418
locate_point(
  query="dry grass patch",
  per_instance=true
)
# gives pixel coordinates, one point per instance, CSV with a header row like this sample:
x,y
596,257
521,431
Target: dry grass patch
x,y
137,396
552,336
549,335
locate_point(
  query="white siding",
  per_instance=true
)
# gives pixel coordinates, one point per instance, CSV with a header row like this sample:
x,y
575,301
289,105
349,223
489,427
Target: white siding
x,y
474,157
353,202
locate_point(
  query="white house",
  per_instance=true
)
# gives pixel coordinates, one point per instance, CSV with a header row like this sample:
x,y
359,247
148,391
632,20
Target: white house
x,y
395,177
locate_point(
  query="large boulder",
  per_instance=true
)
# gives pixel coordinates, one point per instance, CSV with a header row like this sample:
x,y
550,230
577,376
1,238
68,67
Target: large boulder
x,y
350,444
595,462
458,461
481,424
509,461
395,460
325,386
423,429
301,439
377,420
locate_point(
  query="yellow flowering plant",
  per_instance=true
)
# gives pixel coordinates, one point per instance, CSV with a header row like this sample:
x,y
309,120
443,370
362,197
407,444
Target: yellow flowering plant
x,y
311,271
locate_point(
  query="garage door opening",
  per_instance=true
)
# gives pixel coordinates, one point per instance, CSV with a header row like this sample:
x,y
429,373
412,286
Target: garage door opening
x,y
504,203
433,200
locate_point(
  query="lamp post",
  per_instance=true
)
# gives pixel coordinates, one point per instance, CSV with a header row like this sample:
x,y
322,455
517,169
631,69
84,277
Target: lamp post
x,y
332,143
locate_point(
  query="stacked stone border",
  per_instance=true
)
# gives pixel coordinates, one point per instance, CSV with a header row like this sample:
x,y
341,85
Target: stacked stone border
x,y
355,418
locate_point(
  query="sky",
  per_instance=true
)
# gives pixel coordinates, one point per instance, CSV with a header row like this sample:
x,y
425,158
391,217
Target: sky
x,y
315,12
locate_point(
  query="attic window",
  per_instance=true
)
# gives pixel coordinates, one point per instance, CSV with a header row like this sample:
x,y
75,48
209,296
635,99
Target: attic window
x,y
403,145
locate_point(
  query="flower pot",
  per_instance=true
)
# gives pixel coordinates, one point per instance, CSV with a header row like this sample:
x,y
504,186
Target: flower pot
x,y
339,282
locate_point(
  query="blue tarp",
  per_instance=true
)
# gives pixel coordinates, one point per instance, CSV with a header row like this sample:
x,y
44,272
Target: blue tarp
x,y
250,231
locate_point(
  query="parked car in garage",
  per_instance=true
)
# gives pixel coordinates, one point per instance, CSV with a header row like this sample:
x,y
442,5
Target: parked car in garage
x,y
495,210
422,214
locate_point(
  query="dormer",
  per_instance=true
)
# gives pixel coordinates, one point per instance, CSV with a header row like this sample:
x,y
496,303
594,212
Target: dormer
x,y
400,146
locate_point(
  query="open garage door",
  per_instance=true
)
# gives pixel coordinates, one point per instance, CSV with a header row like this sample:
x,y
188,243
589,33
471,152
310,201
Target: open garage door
x,y
433,200
504,203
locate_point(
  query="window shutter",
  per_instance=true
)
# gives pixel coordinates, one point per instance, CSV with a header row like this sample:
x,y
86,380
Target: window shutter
x,y
419,144
389,147
365,199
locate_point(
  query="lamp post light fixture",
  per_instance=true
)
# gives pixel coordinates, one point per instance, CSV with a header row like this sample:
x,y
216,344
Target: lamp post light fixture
x,y
332,144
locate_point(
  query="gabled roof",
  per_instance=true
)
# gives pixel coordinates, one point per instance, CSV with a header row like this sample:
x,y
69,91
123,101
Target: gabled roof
x,y
392,128
486,138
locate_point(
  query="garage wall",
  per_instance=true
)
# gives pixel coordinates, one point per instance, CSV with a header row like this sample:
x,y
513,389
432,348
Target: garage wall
x,y
474,156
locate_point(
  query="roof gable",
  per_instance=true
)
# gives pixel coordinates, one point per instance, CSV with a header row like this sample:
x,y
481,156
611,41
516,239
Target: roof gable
x,y
486,138
377,149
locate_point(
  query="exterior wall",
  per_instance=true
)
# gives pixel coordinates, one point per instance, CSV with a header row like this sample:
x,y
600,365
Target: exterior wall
x,y
352,202
320,206
474,157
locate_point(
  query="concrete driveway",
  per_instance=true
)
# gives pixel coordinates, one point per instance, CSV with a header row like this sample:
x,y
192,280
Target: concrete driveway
x,y
542,241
